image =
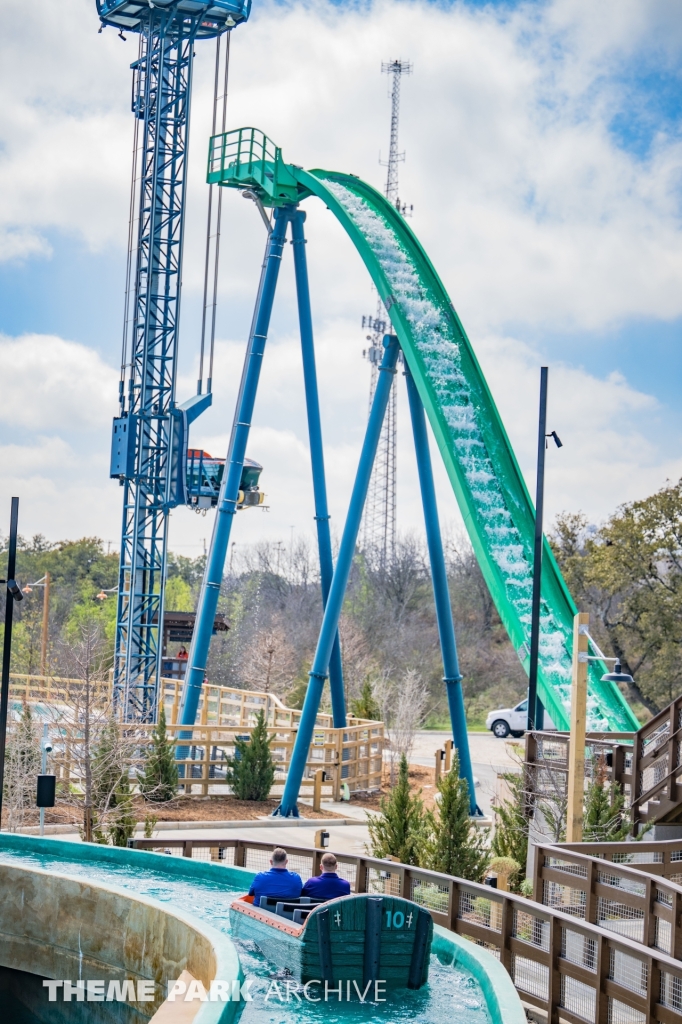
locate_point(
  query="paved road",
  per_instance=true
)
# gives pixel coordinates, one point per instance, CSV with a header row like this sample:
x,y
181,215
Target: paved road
x,y
488,757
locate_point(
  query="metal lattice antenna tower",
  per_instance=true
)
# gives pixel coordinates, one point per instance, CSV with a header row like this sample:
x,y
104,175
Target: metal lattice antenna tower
x,y
379,521
148,447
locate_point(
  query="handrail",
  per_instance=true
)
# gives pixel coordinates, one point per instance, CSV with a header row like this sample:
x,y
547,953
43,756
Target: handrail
x,y
572,969
617,897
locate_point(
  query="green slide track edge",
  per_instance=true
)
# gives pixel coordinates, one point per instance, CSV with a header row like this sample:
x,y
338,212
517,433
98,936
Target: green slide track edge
x,y
485,476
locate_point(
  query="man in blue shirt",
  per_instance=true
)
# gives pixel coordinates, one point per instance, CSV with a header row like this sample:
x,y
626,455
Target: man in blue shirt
x,y
278,882
328,885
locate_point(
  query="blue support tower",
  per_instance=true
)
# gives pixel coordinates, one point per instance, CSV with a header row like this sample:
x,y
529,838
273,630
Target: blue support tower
x,y
318,673
446,628
324,541
149,438
227,502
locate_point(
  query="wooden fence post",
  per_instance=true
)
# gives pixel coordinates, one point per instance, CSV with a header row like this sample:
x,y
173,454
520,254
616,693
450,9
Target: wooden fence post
x,y
576,762
317,790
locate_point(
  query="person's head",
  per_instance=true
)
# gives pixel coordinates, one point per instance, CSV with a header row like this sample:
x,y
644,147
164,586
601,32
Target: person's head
x,y
329,863
279,857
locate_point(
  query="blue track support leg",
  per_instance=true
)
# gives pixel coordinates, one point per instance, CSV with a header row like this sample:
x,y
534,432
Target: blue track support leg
x,y
227,503
337,592
324,542
441,593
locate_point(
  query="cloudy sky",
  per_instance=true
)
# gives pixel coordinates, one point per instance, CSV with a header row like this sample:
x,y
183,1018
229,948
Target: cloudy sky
x,y
543,160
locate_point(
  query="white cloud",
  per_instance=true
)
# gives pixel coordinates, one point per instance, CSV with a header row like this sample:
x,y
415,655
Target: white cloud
x,y
530,211
52,384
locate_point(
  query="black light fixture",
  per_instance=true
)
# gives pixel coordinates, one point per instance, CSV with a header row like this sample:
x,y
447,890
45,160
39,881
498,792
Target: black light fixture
x,y
617,676
557,440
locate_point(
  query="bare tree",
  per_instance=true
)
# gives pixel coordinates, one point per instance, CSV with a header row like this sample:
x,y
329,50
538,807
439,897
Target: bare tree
x,y
22,766
98,755
403,704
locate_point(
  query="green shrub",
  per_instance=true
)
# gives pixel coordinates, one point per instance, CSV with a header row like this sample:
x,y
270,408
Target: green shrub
x,y
159,779
399,830
251,772
456,846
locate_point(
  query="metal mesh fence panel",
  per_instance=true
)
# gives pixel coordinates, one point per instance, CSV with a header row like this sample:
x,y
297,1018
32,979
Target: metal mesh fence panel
x,y
628,971
430,895
578,998
626,884
565,898
384,882
664,935
580,870
531,929
621,1013
579,949
671,991
529,976
619,918
479,910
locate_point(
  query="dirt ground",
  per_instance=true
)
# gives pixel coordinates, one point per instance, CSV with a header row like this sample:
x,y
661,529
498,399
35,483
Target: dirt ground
x,y
421,779
226,808
194,808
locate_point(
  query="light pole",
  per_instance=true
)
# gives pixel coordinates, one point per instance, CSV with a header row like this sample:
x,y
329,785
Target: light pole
x,y
535,709
13,594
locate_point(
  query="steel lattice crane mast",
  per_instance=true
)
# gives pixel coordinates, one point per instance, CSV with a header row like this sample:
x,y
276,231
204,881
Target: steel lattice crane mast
x,y
149,445
379,519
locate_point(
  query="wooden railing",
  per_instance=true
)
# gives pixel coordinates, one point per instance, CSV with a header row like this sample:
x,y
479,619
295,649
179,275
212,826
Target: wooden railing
x,y
657,767
662,857
352,756
568,968
617,897
646,764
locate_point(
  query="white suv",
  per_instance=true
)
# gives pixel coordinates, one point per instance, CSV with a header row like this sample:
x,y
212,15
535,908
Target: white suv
x,y
508,720
512,720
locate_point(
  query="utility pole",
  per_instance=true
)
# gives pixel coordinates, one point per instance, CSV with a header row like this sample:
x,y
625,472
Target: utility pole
x,y
12,594
536,711
46,626
379,519
576,756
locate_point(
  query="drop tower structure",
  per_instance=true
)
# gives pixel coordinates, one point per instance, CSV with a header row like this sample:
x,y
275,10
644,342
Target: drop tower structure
x,y
149,443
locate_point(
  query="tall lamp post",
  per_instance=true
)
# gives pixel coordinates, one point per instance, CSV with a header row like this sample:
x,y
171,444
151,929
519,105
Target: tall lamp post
x,y
535,708
13,594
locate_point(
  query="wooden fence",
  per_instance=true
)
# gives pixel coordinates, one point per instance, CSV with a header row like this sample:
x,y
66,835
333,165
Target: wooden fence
x,y
352,756
569,969
646,764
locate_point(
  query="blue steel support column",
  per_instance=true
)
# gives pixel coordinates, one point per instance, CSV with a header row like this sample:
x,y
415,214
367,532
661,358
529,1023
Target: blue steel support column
x,y
324,542
227,502
337,592
446,629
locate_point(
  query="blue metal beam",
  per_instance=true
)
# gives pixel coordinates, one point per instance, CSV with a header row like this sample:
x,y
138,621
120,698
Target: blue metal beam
x,y
330,622
227,503
324,542
446,629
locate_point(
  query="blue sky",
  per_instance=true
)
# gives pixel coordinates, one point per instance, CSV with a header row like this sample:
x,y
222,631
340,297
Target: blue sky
x,y
544,162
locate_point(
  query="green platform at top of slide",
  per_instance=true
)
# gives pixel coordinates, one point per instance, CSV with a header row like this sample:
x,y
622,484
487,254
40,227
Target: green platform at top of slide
x,y
491,492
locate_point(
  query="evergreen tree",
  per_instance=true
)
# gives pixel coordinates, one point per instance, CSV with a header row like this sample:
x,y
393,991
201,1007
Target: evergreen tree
x,y
604,820
107,769
251,772
457,846
366,706
511,829
122,823
159,779
399,829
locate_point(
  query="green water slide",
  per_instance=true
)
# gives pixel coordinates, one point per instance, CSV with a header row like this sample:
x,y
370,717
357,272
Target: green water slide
x,y
483,471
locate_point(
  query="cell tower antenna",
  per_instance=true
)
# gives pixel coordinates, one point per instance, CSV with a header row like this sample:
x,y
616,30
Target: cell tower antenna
x,y
379,521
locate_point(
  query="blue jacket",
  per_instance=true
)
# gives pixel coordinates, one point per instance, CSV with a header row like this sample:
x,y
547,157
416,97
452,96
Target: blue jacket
x,y
280,882
326,887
